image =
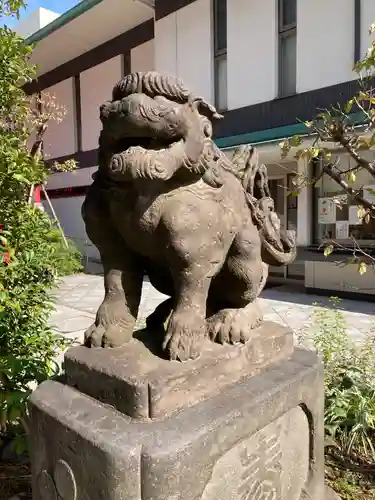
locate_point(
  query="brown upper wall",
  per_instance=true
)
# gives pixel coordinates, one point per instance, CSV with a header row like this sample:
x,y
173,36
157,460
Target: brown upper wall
x,y
121,44
165,7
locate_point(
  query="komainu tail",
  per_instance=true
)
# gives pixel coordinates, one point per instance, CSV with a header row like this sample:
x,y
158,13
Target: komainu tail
x,y
254,176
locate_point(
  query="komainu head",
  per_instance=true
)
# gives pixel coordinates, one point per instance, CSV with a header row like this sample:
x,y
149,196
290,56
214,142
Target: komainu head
x,y
153,128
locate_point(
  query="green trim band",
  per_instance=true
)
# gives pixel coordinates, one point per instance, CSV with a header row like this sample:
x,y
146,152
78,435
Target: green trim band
x,y
62,20
273,134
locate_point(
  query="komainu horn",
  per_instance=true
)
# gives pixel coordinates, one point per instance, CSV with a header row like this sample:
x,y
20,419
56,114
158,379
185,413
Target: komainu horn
x,y
167,203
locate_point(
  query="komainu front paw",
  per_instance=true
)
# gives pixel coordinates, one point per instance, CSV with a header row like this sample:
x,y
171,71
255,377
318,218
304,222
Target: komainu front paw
x,y
234,326
113,326
184,337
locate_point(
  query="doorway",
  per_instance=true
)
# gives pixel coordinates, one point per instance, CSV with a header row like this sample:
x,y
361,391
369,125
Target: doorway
x,y
286,209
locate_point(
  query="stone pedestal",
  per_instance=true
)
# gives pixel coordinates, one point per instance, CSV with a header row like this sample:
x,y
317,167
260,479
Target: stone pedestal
x,y
239,423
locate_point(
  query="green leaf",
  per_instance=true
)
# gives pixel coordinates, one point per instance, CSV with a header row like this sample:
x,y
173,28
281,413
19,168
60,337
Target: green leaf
x,y
363,96
21,178
295,141
361,212
351,177
315,152
327,155
328,250
348,106
362,268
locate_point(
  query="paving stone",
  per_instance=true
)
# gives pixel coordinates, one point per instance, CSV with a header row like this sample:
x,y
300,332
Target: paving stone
x,y
71,325
78,298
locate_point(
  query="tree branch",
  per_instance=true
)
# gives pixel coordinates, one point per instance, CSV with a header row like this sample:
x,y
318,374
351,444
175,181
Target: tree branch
x,y
337,132
328,169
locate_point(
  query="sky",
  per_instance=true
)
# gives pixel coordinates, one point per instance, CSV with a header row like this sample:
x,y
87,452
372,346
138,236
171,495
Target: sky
x,y
59,6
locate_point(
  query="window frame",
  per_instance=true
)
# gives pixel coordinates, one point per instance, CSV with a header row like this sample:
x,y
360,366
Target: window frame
x,y
219,54
285,31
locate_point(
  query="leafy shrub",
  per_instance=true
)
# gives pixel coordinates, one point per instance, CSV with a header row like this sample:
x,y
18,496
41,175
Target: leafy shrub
x,y
28,346
68,259
32,253
349,381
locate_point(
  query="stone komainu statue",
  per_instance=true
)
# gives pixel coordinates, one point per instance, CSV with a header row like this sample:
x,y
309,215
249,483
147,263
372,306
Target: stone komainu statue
x,y
167,203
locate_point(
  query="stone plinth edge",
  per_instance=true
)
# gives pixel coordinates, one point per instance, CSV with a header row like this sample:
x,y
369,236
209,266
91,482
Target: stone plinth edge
x,y
140,384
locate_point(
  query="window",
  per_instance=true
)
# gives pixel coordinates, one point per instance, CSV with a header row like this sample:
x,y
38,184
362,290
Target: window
x,y
220,54
287,47
337,213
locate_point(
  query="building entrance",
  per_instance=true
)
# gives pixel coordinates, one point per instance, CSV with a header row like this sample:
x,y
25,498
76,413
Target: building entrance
x,y
286,208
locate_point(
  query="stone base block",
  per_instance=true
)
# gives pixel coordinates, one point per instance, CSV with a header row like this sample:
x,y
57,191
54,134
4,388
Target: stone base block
x,y
138,382
259,439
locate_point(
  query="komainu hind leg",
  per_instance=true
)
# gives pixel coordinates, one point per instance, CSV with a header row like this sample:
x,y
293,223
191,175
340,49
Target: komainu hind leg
x,y
234,326
193,255
236,290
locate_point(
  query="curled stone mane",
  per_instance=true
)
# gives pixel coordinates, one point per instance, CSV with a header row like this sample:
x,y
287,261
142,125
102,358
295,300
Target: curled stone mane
x,y
152,84
155,84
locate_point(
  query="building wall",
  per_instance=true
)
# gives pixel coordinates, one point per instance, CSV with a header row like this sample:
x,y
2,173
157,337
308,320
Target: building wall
x,y
166,44
184,46
68,211
143,57
61,137
251,52
96,88
330,276
325,43
35,21
79,177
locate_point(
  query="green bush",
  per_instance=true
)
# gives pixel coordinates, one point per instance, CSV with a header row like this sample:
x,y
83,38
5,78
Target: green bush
x,y
349,382
28,346
68,259
32,252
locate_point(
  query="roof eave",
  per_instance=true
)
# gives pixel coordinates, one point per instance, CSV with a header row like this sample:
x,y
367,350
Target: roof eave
x,y
62,20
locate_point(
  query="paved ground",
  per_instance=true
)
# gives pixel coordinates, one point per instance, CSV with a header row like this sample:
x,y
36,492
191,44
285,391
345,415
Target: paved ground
x,y
79,296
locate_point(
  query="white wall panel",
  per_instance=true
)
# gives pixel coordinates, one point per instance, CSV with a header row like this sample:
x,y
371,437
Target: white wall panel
x,y
60,138
325,43
143,57
96,88
183,46
252,52
166,44
195,47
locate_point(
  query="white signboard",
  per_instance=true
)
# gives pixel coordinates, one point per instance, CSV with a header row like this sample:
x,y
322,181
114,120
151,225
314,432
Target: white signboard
x,y
354,220
327,211
342,230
